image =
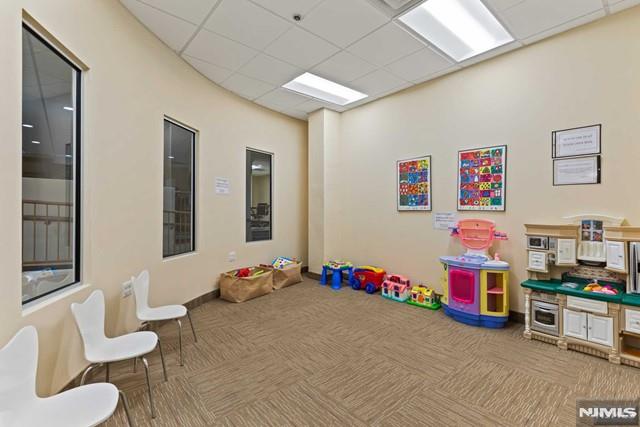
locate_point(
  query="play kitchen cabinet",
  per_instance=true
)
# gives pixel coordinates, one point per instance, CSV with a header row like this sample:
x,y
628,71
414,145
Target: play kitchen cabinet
x,y
589,327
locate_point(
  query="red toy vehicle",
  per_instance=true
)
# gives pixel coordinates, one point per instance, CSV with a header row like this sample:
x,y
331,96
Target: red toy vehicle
x,y
368,278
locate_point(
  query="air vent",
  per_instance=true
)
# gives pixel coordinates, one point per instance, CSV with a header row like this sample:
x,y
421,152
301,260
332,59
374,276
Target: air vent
x,y
393,8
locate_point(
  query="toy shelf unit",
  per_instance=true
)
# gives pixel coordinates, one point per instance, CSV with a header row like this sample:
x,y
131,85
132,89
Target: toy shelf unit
x,y
475,286
587,296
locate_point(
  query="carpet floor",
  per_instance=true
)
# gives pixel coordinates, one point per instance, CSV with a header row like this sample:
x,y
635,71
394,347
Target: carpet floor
x,y
309,356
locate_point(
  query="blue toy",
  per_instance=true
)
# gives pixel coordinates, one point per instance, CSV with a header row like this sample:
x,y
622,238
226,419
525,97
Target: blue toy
x,y
336,267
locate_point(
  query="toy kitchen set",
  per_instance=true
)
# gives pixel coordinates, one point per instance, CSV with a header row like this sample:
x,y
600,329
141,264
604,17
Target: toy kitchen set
x,y
583,290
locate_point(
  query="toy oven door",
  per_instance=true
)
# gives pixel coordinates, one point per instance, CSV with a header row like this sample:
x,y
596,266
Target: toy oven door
x,y
544,318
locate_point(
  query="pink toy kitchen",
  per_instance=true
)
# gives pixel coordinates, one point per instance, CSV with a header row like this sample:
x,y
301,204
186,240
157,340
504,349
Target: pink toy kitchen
x,y
475,285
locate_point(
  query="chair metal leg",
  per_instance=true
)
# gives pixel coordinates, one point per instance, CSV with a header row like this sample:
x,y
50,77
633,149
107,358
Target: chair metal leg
x,y
146,370
106,372
164,367
180,340
195,338
125,405
85,373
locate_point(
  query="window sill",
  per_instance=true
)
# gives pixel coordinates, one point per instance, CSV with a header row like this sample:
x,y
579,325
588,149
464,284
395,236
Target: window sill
x,y
179,256
52,298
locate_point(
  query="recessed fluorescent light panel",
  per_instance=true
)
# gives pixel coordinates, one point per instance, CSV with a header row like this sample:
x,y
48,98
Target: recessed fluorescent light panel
x,y
323,89
459,28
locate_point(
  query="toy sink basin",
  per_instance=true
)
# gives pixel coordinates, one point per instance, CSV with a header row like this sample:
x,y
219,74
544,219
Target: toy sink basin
x,y
476,234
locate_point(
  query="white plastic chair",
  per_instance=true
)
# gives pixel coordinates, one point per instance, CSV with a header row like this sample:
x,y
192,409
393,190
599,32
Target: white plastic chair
x,y
100,350
148,314
20,406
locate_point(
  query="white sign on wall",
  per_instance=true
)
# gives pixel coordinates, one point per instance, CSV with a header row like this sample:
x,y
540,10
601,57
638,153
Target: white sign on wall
x,y
444,220
576,142
223,185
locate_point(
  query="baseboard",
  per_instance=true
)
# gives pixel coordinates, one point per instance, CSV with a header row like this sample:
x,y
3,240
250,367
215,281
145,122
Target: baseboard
x,y
311,275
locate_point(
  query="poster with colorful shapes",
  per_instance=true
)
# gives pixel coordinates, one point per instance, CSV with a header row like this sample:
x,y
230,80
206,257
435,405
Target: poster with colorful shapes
x,y
482,176
414,184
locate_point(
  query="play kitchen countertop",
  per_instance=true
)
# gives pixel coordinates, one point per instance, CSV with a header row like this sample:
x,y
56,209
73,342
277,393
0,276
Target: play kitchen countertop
x,y
555,286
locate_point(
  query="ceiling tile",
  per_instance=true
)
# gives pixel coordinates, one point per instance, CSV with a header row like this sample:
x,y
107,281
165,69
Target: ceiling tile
x,y
301,48
438,74
617,6
311,105
246,23
211,71
218,50
343,22
343,67
385,45
288,8
500,5
377,82
566,26
171,30
193,10
271,70
534,16
282,98
295,113
419,64
246,86
490,54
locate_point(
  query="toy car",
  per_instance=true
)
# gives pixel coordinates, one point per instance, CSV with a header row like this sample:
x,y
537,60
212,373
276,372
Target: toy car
x,y
396,287
368,278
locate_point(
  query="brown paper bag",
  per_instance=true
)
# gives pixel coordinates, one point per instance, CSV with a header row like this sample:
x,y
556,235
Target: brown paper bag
x,y
287,276
239,289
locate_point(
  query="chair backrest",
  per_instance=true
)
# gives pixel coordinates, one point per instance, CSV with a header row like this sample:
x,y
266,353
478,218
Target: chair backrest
x,y
141,291
89,317
18,366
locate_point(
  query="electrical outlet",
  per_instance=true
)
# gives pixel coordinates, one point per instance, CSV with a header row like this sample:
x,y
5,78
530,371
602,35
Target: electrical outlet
x,y
232,256
127,289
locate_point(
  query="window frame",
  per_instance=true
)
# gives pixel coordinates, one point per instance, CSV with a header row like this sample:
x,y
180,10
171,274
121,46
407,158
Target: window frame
x,y
247,208
77,167
194,140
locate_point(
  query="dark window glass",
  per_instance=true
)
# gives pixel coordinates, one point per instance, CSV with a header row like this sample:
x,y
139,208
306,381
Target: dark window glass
x,y
50,169
259,206
178,212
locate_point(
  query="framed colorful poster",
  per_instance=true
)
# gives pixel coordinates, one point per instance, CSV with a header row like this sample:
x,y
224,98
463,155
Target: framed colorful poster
x,y
414,184
482,174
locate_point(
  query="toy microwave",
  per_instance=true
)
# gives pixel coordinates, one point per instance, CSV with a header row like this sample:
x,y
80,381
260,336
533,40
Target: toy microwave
x,y
538,242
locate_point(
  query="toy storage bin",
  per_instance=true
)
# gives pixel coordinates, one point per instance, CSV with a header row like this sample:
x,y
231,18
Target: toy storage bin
x,y
286,276
239,289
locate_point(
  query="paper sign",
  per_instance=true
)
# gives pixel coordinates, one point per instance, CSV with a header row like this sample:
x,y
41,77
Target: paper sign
x,y
576,142
222,185
444,220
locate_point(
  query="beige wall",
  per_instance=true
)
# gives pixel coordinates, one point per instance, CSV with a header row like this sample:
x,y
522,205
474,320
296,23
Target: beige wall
x,y
132,81
586,76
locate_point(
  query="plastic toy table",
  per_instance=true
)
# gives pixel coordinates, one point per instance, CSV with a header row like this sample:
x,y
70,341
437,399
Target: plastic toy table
x,y
336,267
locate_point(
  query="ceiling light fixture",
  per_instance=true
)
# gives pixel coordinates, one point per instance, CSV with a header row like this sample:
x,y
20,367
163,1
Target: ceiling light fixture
x,y
460,28
24,125
35,142
323,89
68,108
171,157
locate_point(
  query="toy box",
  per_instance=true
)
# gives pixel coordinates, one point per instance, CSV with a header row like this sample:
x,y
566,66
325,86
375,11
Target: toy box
x,y
368,278
396,287
245,284
423,296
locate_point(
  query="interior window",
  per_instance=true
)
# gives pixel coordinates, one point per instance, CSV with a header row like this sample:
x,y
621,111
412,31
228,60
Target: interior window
x,y
178,234
259,193
50,169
